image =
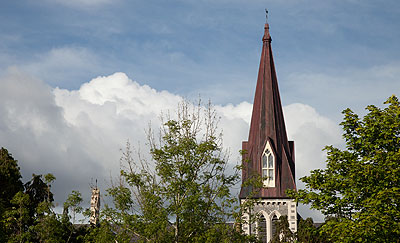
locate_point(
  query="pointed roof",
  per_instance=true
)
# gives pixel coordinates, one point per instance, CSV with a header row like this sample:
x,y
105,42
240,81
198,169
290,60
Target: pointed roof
x,y
268,126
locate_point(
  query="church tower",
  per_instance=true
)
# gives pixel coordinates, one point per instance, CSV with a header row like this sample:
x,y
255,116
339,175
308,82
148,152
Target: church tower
x,y
95,206
268,153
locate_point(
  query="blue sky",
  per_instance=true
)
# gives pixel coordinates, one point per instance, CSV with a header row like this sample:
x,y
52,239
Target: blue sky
x,y
206,47
329,55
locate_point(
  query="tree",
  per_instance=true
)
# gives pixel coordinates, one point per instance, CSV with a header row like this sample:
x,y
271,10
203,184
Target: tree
x,y
360,188
103,233
28,215
47,226
283,232
73,202
10,177
17,218
183,194
307,232
39,192
10,184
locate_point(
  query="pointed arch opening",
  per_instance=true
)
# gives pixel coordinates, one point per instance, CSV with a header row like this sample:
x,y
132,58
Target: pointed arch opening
x,y
262,228
274,225
268,166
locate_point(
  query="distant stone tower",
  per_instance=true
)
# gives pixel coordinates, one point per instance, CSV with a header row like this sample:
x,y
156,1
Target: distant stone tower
x,y
95,206
268,154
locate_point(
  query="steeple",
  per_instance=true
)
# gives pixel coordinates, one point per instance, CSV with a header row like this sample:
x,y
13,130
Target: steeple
x,y
269,153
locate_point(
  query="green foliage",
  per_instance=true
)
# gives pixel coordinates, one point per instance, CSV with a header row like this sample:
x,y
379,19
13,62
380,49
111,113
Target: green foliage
x,y
102,234
253,184
26,212
73,202
49,178
283,232
17,218
10,184
38,192
360,188
183,194
308,233
10,178
49,228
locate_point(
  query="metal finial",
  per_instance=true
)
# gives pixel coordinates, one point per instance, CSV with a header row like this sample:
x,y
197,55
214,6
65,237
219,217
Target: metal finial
x,y
266,16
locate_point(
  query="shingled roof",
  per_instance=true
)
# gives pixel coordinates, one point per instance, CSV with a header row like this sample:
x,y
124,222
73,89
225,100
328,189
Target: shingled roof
x,y
268,125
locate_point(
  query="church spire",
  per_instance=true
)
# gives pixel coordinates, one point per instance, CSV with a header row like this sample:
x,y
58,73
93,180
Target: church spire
x,y
267,135
267,36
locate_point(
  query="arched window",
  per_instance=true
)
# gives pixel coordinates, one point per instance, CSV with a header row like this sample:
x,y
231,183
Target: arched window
x,y
262,229
268,172
274,224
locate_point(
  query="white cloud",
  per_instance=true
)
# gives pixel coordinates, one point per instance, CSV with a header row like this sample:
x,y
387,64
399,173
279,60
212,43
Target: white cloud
x,y
311,133
78,134
127,95
235,125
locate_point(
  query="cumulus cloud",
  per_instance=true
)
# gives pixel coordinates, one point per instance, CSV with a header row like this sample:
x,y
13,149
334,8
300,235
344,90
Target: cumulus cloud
x,y
77,134
311,132
33,128
235,122
109,110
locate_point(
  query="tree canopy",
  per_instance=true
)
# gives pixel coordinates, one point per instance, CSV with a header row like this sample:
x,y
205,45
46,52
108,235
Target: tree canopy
x,y
27,210
10,184
186,197
10,178
183,193
359,191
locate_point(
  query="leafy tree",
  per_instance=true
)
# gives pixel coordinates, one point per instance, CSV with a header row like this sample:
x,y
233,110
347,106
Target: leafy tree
x,y
26,211
283,232
39,191
73,232
360,188
48,227
73,202
10,178
254,183
183,194
10,184
17,218
104,233
308,233
48,179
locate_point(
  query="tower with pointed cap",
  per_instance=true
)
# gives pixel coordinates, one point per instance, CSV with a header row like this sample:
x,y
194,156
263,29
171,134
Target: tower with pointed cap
x,y
268,153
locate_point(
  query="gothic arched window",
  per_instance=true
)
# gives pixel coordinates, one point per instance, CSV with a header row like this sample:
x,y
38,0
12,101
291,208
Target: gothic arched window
x,y
268,172
274,224
262,229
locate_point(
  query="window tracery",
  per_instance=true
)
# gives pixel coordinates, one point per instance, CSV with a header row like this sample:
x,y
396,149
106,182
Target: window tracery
x,y
268,170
